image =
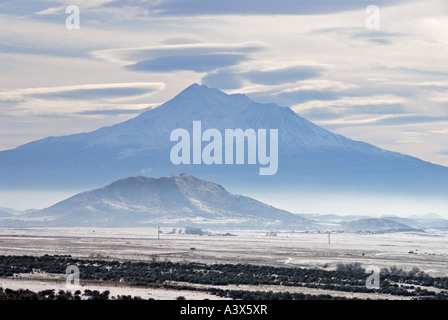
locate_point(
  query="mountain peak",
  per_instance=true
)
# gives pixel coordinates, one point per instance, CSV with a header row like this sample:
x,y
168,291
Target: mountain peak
x,y
200,89
196,86
196,93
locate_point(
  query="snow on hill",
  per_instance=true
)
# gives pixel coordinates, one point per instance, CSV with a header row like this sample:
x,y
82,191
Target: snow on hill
x,y
178,200
185,201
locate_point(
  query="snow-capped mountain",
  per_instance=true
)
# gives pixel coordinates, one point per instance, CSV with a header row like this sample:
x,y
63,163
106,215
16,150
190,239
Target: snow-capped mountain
x,y
309,157
178,200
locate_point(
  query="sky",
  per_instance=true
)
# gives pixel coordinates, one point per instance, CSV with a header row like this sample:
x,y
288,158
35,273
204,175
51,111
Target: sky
x,y
376,76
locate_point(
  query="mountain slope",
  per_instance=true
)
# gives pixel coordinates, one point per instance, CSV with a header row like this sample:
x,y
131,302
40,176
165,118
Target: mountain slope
x,y
178,200
376,226
310,157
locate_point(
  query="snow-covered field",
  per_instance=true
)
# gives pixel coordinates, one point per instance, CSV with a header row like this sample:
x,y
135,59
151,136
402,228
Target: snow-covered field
x,y
427,251
115,291
430,250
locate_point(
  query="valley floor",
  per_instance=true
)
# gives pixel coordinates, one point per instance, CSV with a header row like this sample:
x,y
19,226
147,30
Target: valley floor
x,y
426,251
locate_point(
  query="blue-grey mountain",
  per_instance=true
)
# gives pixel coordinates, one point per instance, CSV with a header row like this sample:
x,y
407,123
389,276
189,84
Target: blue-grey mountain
x,y
310,157
174,201
185,201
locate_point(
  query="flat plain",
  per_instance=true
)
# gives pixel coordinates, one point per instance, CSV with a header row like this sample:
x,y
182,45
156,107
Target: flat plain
x,y
427,251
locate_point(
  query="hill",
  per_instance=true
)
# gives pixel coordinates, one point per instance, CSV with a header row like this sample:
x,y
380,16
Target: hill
x,y
177,200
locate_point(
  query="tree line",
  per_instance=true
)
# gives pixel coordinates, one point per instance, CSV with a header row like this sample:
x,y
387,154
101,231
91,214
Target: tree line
x,y
50,294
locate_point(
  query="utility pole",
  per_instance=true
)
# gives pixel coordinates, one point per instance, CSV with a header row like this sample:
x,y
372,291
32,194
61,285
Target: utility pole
x,y
158,233
329,237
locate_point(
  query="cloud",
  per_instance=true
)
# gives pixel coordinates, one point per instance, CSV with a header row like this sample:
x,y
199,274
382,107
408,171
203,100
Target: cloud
x,y
59,6
148,9
442,131
92,99
37,35
133,55
89,91
253,7
197,57
380,109
113,112
223,79
198,63
381,37
341,105
178,40
298,97
92,93
319,85
381,120
337,109
52,10
283,75
306,90
266,78
440,97
354,120
431,70
24,7
411,119
10,102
